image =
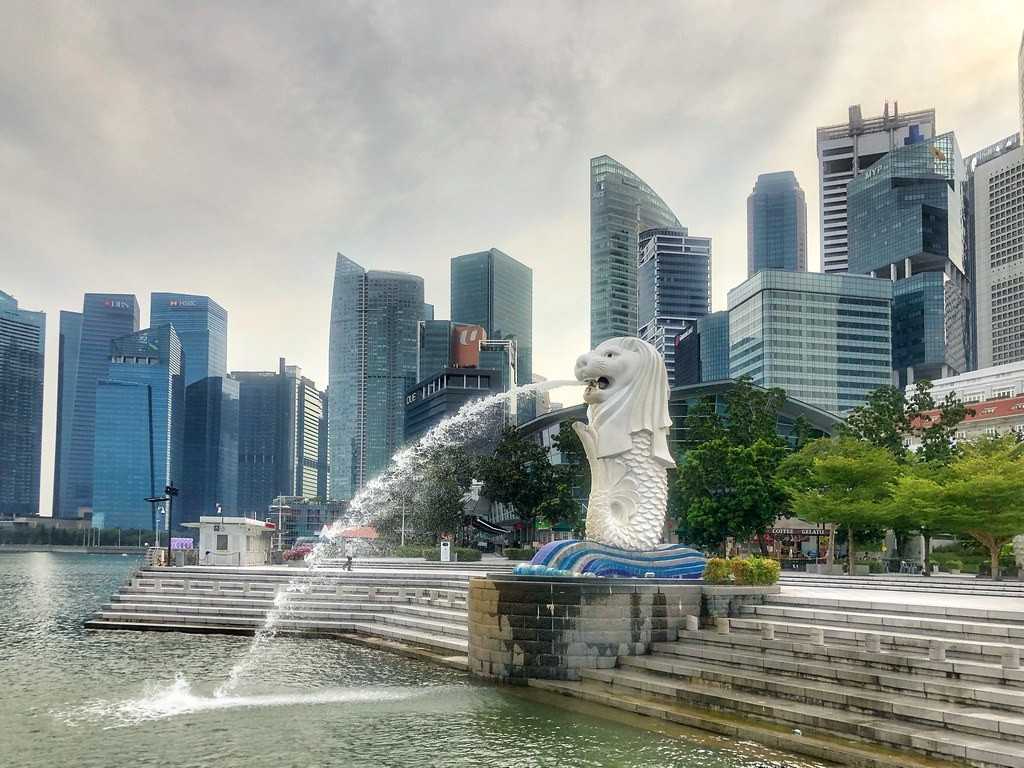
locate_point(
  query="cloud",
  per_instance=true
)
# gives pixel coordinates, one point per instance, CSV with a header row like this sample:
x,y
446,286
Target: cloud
x,y
233,148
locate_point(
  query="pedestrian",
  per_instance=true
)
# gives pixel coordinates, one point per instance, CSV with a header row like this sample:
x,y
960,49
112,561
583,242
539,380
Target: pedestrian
x,y
348,556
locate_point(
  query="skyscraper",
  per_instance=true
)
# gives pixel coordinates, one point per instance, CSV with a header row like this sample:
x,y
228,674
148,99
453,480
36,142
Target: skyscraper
x,y
674,280
776,224
702,350
622,205
105,317
279,416
140,427
848,149
825,339
201,325
906,225
994,257
22,352
210,473
67,368
494,291
375,317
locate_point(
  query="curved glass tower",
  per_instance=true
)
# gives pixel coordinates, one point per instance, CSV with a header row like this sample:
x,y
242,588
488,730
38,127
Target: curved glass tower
x,y
622,206
375,319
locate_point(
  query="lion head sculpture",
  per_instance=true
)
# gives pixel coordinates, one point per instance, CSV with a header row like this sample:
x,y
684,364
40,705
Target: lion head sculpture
x,y
627,391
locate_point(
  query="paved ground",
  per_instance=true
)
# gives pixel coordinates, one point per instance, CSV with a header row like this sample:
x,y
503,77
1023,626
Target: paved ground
x,y
879,598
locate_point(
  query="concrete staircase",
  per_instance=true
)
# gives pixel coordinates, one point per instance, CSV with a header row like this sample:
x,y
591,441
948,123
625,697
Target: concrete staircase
x,y
938,584
413,608
853,681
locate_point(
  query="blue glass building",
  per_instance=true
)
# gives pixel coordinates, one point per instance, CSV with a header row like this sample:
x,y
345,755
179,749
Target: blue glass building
x,y
826,339
375,318
674,278
67,367
201,325
906,225
702,350
22,353
210,472
105,317
776,224
140,427
622,205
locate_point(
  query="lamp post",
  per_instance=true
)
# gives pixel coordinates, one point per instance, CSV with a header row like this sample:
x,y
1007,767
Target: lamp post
x,y
171,492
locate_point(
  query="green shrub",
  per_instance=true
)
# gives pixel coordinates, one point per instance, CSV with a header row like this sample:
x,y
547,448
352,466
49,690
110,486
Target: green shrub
x,y
717,571
875,566
459,554
764,571
519,553
954,565
409,550
742,572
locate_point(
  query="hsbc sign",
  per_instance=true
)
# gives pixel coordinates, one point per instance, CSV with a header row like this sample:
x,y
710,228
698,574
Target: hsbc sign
x,y
178,303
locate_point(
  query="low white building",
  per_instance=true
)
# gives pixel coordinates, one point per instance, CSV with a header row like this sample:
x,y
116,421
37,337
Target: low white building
x,y
233,540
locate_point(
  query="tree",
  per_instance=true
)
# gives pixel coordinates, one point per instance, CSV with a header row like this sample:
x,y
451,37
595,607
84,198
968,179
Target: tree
x,y
574,458
844,481
562,506
518,473
882,421
447,475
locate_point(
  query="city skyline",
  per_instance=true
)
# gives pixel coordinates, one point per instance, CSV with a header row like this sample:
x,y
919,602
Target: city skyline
x,y
246,205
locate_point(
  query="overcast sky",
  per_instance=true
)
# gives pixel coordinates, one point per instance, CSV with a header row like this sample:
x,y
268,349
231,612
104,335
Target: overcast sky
x,y
231,149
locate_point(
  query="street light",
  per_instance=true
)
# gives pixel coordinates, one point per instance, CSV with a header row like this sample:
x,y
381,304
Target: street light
x,y
171,492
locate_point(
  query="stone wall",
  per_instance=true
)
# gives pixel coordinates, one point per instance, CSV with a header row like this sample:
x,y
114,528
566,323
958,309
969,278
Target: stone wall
x,y
530,627
722,601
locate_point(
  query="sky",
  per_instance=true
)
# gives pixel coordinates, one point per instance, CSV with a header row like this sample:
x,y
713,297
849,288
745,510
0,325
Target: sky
x,y
233,148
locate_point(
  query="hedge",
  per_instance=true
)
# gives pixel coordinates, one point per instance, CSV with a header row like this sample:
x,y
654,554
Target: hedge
x,y
751,571
520,553
459,554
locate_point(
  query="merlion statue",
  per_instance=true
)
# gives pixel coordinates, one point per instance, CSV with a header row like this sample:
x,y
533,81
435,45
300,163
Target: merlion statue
x,y
626,442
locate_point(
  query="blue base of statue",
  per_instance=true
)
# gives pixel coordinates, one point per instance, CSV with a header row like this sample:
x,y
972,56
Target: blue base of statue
x,y
588,558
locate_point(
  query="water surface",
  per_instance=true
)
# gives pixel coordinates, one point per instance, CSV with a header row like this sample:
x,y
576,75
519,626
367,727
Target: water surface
x,y
73,697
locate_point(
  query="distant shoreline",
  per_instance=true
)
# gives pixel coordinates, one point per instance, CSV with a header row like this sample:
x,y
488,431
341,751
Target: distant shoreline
x,y
71,548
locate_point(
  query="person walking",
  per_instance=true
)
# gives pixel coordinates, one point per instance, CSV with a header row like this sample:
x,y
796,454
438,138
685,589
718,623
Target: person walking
x,y
348,556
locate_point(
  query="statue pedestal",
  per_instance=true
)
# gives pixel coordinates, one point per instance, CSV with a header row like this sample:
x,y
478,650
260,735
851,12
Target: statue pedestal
x,y
588,558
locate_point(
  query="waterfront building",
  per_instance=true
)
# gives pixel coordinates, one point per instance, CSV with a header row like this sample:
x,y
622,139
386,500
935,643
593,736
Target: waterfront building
x,y
209,478
279,416
776,224
105,317
305,517
994,255
202,326
622,205
702,350
67,367
140,427
906,226
674,279
375,317
22,354
494,291
825,339
848,149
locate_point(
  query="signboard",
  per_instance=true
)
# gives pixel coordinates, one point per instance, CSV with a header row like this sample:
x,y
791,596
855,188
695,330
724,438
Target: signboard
x,y
466,341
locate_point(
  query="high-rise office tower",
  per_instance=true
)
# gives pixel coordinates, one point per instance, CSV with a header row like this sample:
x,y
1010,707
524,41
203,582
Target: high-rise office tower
x,y
279,417
67,368
825,339
140,427
994,256
848,149
22,352
375,316
105,317
702,350
674,281
324,470
1020,83
210,474
622,205
201,324
776,224
906,225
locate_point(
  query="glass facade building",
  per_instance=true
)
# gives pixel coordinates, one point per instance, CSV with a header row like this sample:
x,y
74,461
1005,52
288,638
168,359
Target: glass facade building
x,y
67,366
622,206
776,224
848,149
674,279
201,325
279,418
702,350
825,339
906,218
22,354
210,474
140,427
105,317
443,394
375,318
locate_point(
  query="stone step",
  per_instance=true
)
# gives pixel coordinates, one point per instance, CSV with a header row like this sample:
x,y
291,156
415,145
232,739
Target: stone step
x,y
935,741
255,617
938,608
938,586
955,716
986,672
868,678
913,641
266,603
